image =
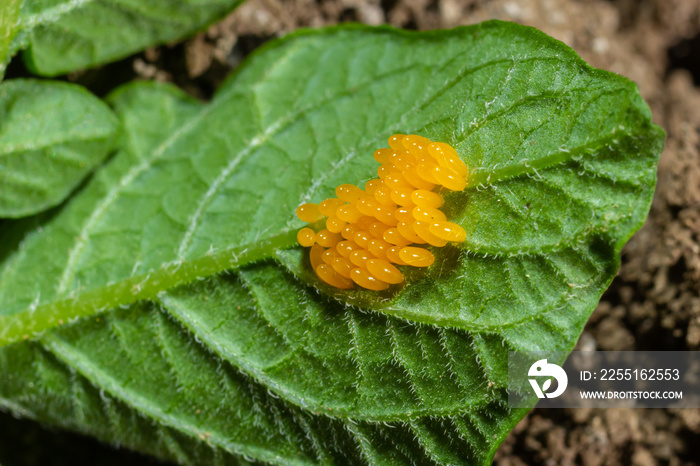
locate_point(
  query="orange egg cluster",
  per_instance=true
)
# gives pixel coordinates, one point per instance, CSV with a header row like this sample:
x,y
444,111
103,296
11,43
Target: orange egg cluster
x,y
391,221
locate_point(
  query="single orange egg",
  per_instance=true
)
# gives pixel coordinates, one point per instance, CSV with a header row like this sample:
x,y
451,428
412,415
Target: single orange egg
x,y
394,236
326,273
366,280
448,231
343,266
425,198
306,237
309,213
344,248
449,178
359,257
349,192
417,257
335,225
428,214
384,271
327,239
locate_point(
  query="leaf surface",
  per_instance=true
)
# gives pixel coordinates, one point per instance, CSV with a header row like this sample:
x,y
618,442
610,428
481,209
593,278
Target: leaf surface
x,y
51,136
562,160
9,15
67,35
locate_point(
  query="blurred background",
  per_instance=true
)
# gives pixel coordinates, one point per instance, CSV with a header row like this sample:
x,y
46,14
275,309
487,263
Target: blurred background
x,y
653,303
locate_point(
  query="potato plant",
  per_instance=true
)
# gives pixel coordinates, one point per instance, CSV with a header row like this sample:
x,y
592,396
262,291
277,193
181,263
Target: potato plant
x,y
153,295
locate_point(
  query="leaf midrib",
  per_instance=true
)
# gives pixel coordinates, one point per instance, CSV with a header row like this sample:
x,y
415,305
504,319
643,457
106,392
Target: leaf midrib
x,y
48,144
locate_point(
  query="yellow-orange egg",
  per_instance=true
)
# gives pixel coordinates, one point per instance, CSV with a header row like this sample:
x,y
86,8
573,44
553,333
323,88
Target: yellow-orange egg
x,y
396,180
396,141
344,248
383,155
377,229
328,256
327,239
367,206
309,213
349,231
425,172
378,247
306,237
403,160
402,196
393,255
427,214
447,157
422,229
449,178
448,231
315,254
405,213
417,181
335,225
349,192
329,206
394,236
343,266
406,230
361,238
417,145
326,273
366,280
383,171
386,215
372,185
417,257
383,195
359,257
384,271
425,198
348,213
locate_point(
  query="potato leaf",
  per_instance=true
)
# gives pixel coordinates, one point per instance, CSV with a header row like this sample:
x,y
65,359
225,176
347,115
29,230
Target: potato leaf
x,y
9,15
67,35
562,157
51,136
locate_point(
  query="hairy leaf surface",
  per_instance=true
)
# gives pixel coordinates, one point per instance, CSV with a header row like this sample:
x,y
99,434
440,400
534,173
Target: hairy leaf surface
x,y
51,136
266,363
9,15
67,35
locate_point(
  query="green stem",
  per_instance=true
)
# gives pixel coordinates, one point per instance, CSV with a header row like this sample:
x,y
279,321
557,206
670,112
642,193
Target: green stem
x,y
27,324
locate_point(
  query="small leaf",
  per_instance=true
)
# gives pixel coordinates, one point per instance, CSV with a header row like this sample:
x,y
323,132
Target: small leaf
x,y
51,136
9,14
67,35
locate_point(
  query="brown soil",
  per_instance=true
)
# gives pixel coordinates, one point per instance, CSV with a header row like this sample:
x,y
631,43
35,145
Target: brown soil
x,y
654,302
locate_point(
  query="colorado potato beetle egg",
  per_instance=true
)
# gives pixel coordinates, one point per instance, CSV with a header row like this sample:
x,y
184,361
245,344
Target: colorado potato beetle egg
x,y
393,221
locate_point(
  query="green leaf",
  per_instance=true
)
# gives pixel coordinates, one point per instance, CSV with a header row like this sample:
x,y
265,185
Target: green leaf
x,y
9,15
67,35
51,136
265,362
